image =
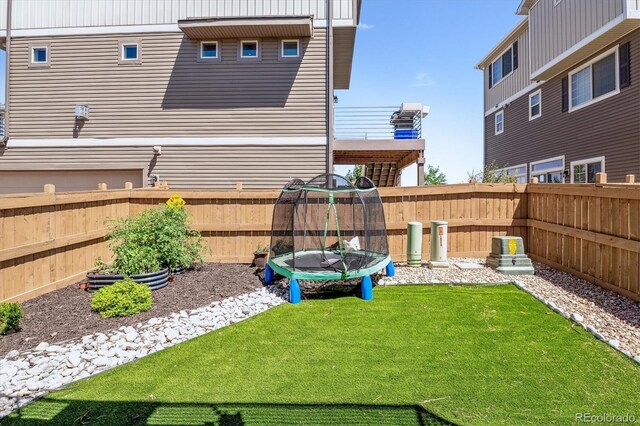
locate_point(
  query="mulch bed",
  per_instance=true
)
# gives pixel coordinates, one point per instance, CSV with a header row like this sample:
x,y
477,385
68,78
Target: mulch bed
x,y
66,313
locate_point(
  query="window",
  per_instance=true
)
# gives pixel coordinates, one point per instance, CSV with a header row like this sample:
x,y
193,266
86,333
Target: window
x,y
249,50
209,50
129,52
39,55
595,81
290,49
535,105
503,66
499,122
584,171
519,172
548,171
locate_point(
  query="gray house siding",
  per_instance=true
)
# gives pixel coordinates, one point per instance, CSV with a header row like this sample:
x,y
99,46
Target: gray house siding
x,y
170,93
609,128
556,28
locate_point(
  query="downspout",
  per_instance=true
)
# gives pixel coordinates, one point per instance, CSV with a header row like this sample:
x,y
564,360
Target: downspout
x,y
329,82
7,45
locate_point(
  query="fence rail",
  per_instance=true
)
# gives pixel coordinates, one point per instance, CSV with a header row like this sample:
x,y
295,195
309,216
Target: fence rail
x,y
50,240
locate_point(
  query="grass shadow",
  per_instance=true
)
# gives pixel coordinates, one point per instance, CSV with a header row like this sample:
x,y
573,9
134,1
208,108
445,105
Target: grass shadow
x,y
79,412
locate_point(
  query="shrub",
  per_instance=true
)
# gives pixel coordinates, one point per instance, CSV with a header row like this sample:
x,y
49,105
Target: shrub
x,y
10,317
122,299
133,259
164,230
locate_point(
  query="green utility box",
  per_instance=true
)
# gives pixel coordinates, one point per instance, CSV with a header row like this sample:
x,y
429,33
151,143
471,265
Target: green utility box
x,y
507,256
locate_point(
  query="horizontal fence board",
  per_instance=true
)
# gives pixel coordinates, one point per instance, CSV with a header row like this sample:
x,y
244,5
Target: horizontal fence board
x,y
593,231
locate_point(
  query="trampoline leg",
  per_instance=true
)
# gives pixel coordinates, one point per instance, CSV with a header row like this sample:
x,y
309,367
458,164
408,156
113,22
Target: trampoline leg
x,y
294,291
367,288
268,275
390,270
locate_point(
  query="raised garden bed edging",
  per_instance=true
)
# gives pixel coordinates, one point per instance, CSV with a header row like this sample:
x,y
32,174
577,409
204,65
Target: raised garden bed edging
x,y
30,374
154,280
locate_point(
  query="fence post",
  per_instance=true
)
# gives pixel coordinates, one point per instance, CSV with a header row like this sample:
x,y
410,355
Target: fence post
x,y
102,186
534,180
128,185
239,186
601,177
49,188
630,179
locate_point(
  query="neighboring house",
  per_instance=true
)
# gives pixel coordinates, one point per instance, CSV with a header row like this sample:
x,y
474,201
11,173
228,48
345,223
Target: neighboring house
x,y
198,93
562,92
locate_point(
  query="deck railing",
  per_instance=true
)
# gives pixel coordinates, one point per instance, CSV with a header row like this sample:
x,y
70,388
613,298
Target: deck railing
x,y
370,123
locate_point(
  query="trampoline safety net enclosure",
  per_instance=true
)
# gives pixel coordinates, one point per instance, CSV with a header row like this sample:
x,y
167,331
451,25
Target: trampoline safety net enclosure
x,y
328,229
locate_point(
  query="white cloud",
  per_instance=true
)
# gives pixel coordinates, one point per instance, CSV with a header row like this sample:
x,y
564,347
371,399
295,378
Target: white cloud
x,y
365,26
423,79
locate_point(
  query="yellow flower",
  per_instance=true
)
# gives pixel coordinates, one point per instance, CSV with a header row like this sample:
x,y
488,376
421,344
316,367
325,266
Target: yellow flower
x,y
175,202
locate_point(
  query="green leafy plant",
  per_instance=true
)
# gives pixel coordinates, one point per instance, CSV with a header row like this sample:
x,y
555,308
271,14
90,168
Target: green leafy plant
x,y
261,249
433,176
163,231
10,316
282,246
355,174
490,174
122,299
101,266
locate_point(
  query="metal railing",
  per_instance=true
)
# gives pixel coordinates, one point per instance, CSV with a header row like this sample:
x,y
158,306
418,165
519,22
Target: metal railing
x,y
371,123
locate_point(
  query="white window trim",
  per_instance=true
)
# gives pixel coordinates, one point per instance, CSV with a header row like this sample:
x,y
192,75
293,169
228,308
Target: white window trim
x,y
202,43
505,169
495,83
258,55
495,127
556,2
33,55
589,64
539,93
126,44
587,161
297,55
539,172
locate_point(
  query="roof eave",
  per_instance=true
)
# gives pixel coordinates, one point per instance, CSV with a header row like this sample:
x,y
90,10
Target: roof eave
x,y
502,44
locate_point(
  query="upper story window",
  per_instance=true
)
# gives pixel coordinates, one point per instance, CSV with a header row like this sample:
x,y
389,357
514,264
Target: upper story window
x,y
250,49
594,81
209,50
290,49
39,55
535,105
504,65
130,51
499,122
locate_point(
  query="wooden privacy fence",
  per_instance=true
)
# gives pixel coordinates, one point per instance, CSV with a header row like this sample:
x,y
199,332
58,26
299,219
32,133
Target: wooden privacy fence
x,y
50,240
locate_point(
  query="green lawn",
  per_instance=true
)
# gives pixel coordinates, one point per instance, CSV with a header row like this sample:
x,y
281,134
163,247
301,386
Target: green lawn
x,y
415,355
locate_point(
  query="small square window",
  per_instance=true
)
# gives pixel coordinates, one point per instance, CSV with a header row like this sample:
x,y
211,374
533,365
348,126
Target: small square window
x,y
39,55
499,122
209,50
290,48
535,105
249,49
130,52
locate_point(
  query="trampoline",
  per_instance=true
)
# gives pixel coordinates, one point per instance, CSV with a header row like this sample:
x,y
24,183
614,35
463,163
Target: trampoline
x,y
328,229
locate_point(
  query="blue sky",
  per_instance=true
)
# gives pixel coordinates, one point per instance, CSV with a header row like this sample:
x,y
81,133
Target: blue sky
x,y
425,51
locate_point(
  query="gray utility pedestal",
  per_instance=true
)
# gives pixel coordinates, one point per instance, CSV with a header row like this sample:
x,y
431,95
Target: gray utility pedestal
x,y
507,256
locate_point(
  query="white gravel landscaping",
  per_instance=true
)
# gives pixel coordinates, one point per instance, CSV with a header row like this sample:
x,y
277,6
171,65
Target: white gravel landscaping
x,y
29,374
609,316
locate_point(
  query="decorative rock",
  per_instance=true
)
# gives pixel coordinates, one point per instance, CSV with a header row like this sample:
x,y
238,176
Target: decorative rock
x,y
12,354
42,346
101,361
73,360
577,317
33,384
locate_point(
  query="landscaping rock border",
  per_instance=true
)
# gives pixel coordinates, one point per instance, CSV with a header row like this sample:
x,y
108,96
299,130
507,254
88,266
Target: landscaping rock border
x,y
29,374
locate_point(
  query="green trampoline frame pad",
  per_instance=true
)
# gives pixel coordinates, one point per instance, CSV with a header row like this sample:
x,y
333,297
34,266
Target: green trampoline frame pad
x,y
279,265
